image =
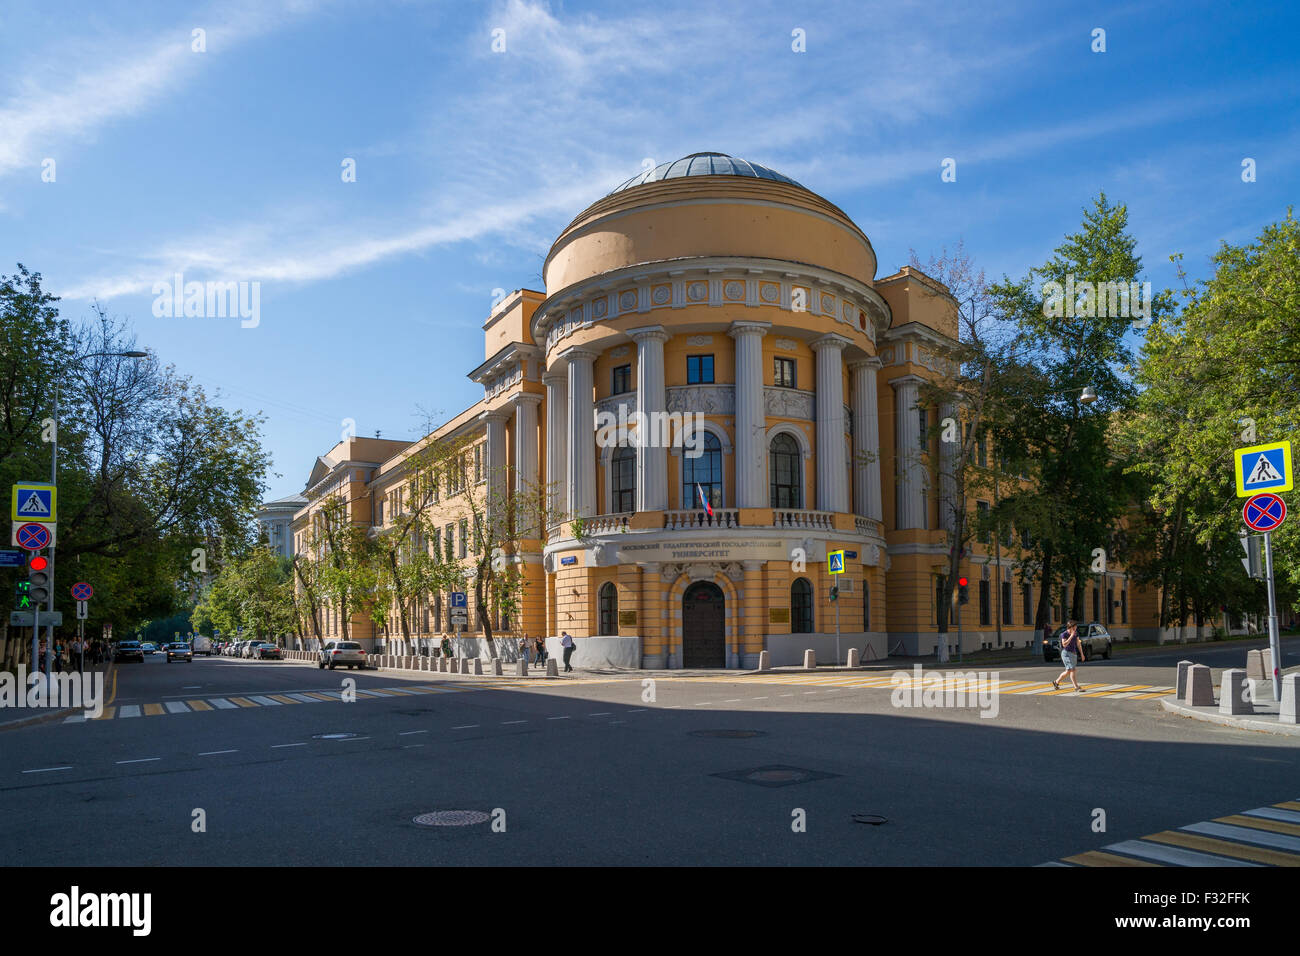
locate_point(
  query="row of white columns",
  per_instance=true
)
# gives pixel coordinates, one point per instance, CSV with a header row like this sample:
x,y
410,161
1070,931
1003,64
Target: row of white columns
x,y
570,429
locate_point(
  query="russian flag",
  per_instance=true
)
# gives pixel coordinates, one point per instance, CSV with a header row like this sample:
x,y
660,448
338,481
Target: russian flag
x,y
703,500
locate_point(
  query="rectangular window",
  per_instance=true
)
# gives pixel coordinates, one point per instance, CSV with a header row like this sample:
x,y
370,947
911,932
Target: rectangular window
x,y
982,512
379,515
940,586
699,369
783,375
1006,602
622,380
1029,605
923,437
437,544
1110,605
1096,603
1123,606
449,536
478,534
986,614
478,463
464,538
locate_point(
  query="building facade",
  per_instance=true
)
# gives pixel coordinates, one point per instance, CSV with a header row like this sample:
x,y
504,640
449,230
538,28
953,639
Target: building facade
x,y
713,394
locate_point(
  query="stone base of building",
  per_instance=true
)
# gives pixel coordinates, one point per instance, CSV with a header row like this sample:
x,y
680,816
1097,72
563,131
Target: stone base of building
x,y
600,652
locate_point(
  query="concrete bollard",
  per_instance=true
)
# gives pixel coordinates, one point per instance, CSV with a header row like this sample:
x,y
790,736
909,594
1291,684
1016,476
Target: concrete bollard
x,y
1182,679
1234,694
453,665
1287,712
853,657
478,667
496,666
1256,669
521,667
765,660
809,660
552,668
1200,686
442,665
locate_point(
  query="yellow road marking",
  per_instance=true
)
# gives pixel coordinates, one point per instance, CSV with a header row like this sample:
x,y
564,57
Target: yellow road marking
x,y
318,696
1288,805
1101,858
153,710
1224,848
282,699
1159,693
1259,823
241,702
107,714
199,705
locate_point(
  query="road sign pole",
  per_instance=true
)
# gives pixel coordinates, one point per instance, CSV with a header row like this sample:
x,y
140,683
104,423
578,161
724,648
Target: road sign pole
x,y
837,633
54,480
1274,645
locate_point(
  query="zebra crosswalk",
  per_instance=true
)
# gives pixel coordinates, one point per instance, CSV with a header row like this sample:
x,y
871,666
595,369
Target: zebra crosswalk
x,y
1265,836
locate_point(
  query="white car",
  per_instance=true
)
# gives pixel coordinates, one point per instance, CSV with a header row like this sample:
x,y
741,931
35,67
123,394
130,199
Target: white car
x,y
342,653
202,645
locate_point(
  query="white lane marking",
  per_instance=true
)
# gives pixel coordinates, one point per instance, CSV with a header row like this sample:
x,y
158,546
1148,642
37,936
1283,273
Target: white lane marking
x,y
211,753
75,719
758,698
618,721
514,721
465,727
303,698
603,713
407,733
1169,854
278,746
265,701
785,695
409,746
733,700
639,710
1272,813
222,704
130,710
558,718
176,707
140,760
46,769
192,687
810,692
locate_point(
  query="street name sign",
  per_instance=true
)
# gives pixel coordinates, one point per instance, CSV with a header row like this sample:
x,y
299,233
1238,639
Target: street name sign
x,y
25,618
1263,468
11,559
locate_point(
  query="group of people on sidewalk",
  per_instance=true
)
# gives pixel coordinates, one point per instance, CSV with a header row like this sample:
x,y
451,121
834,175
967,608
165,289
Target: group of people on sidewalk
x,y
534,652
70,655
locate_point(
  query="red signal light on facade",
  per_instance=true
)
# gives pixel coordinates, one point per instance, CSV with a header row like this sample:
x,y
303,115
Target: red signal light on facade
x,y
962,581
39,564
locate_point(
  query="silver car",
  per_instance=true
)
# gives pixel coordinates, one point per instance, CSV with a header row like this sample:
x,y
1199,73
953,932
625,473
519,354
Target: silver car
x,y
337,653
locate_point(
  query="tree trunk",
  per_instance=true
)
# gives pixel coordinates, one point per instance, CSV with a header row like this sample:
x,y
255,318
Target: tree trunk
x,y
1043,615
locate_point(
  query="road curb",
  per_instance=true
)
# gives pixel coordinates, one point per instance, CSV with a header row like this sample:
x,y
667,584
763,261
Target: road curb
x,y
1227,720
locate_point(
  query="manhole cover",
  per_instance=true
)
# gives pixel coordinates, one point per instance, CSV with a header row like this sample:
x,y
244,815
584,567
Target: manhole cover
x,y
775,775
728,733
451,818
332,736
874,819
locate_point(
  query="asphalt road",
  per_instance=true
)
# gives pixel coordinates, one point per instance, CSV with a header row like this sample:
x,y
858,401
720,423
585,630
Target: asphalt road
x,y
587,771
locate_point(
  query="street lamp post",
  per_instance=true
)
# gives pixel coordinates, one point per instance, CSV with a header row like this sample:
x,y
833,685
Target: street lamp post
x,y
54,480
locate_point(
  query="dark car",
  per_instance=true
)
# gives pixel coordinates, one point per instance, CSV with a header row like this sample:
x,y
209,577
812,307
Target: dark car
x,y
1096,641
128,651
267,651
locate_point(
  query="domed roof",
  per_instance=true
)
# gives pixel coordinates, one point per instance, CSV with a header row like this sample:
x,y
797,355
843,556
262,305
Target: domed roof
x,y
705,164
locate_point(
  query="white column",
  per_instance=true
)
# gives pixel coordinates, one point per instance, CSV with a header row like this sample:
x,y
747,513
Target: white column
x,y
866,439
908,479
651,400
526,462
947,462
832,484
557,433
751,416
581,473
495,422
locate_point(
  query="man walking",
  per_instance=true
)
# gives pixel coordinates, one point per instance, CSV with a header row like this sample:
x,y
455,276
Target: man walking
x,y
566,642
1071,654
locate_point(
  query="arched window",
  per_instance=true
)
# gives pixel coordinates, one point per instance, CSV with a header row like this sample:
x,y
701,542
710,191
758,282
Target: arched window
x,y
608,610
786,469
801,609
704,471
623,480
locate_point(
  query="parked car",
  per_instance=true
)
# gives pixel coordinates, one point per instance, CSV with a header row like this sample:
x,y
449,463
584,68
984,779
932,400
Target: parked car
x,y
266,651
179,652
337,653
128,651
249,649
1096,641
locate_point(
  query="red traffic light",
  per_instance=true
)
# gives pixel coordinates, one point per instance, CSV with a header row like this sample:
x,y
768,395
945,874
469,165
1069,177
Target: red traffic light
x,y
962,581
39,563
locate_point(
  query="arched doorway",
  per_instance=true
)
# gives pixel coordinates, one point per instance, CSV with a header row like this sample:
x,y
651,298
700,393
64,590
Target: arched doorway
x,y
704,630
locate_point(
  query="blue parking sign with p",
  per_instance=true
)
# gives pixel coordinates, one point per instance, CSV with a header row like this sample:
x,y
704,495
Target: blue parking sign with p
x,y
1263,468
459,599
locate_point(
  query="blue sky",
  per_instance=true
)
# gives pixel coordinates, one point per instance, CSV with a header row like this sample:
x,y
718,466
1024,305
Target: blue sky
x,y
225,164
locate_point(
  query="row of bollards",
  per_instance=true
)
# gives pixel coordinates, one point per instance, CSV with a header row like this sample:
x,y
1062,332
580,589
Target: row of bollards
x,y
1239,690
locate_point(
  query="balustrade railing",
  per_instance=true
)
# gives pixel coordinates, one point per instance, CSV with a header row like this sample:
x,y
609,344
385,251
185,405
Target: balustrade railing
x,y
685,520
790,518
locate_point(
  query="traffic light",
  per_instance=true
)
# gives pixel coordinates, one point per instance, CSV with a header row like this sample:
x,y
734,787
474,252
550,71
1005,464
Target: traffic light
x,y
963,597
835,592
22,602
38,581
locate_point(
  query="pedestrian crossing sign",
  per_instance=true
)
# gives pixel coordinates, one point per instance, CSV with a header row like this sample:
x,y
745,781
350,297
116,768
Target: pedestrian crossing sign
x,y
34,502
835,562
1263,468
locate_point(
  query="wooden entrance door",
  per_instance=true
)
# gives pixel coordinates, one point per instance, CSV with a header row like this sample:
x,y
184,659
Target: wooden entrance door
x,y
704,634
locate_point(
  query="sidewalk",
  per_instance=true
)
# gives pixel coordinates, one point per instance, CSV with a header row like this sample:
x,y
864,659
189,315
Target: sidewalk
x,y
12,718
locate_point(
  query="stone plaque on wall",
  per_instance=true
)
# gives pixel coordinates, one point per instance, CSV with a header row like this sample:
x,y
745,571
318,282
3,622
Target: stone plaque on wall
x,y
778,615
627,618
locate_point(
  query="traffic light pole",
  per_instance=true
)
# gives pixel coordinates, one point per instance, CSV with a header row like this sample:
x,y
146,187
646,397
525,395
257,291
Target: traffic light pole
x,y
54,480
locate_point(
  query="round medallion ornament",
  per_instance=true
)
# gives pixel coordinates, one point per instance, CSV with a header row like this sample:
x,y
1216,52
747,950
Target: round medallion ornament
x,y
828,304
769,293
733,290
627,300
599,308
696,292
661,295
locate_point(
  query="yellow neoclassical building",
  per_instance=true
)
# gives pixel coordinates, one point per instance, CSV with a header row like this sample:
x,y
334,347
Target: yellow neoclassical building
x,y
721,390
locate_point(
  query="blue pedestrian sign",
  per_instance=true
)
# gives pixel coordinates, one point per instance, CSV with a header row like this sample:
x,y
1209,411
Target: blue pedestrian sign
x,y
1263,468
33,502
459,599
835,562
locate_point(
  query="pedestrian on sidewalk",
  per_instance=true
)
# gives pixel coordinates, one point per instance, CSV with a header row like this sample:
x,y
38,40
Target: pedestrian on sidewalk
x,y
523,649
1071,654
541,652
567,643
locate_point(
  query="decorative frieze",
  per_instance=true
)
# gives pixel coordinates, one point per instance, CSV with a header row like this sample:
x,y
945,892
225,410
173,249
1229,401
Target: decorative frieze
x,y
706,399
788,403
